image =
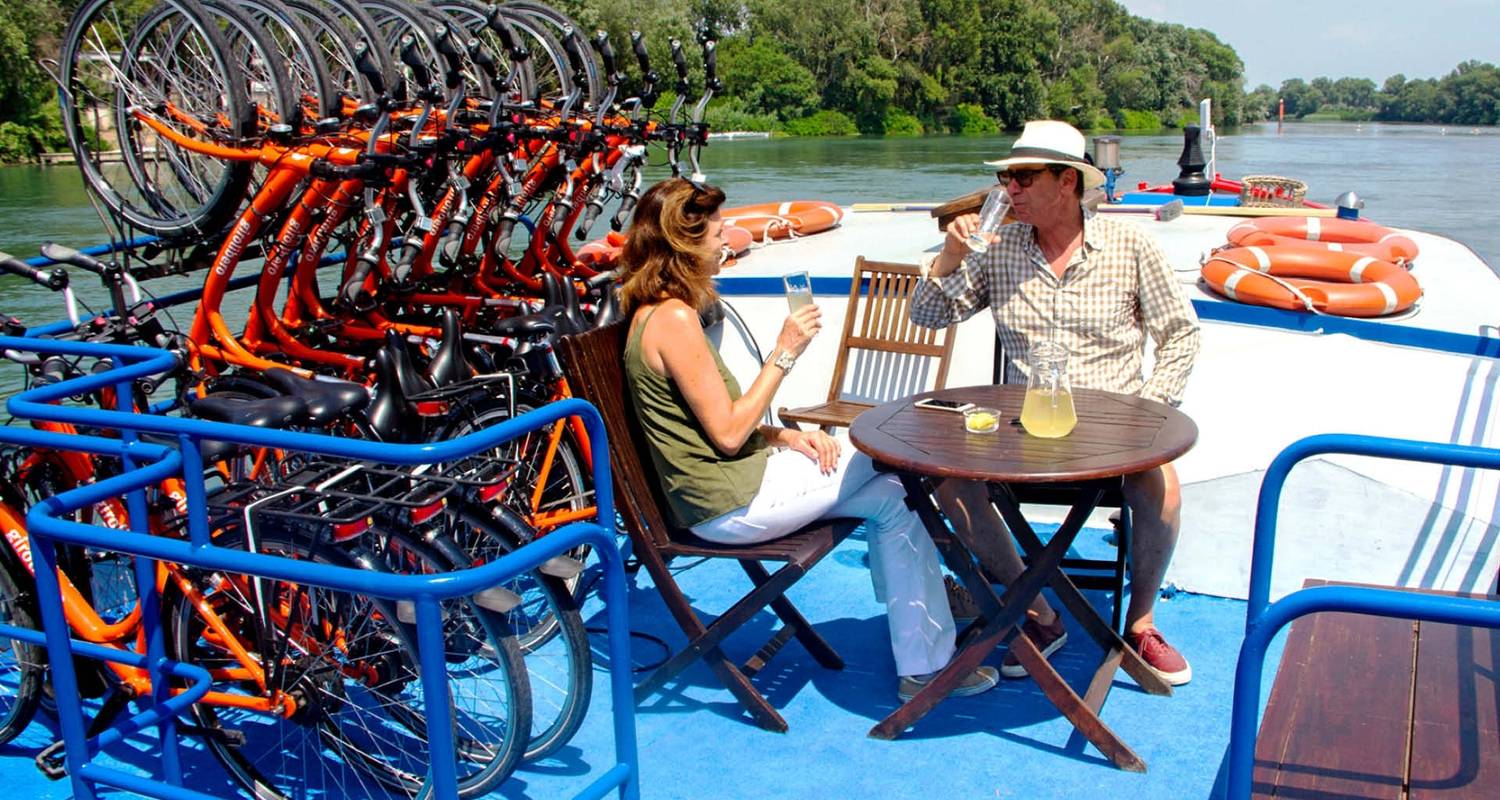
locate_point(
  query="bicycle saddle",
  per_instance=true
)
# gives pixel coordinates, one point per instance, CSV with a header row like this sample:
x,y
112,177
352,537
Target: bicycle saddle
x,y
389,409
529,327
326,400
268,412
448,365
411,380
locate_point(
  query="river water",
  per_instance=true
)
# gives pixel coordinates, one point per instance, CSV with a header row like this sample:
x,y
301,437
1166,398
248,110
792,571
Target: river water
x,y
1411,176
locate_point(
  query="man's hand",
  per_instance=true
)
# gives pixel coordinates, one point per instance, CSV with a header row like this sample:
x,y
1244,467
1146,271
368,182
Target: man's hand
x,y
817,446
955,245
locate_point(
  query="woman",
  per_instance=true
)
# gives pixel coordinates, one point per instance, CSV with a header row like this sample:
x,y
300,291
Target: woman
x,y
732,480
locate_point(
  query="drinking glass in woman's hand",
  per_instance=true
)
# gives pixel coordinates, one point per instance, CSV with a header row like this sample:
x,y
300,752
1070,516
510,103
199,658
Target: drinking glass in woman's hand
x,y
991,217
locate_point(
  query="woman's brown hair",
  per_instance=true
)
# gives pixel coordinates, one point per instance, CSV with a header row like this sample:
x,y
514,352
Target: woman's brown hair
x,y
664,257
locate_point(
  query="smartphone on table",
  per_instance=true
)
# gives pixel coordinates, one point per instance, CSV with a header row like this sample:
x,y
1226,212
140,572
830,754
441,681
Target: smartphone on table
x,y
943,405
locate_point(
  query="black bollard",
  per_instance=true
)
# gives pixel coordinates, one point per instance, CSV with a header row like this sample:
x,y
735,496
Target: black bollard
x,y
1190,181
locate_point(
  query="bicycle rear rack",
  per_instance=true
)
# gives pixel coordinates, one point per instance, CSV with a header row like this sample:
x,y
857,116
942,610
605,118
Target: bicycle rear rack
x,y
146,464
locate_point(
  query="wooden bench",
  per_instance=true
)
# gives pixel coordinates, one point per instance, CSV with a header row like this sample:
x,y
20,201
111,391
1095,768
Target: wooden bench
x,y
1376,707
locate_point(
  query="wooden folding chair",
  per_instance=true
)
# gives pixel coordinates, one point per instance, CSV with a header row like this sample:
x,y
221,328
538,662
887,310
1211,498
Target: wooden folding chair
x,y
594,364
882,355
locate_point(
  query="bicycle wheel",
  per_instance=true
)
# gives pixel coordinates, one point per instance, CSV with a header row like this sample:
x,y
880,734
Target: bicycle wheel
x,y
555,23
472,16
548,626
338,28
564,484
177,68
306,74
396,19
489,683
23,667
349,668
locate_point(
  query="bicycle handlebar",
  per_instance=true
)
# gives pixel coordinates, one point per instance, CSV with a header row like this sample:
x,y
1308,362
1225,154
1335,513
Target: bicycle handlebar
x,y
56,280
365,65
607,55
649,77
67,255
421,75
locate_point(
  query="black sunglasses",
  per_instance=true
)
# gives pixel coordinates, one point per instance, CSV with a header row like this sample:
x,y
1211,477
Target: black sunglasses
x,y
1025,177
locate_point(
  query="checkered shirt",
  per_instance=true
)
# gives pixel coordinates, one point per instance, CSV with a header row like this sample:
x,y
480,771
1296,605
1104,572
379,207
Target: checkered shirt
x,y
1117,288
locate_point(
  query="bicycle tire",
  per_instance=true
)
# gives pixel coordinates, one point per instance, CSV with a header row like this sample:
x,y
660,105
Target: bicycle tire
x,y
99,83
21,679
557,22
310,83
548,626
338,28
278,756
472,16
477,645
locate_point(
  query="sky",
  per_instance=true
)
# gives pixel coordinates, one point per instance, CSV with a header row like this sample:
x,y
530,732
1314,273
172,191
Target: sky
x,y
1281,39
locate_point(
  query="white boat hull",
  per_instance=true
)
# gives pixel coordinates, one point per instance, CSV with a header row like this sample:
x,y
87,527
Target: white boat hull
x,y
1253,391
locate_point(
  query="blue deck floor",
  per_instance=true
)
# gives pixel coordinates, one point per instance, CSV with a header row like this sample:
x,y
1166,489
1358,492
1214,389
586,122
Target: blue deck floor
x,y
1010,743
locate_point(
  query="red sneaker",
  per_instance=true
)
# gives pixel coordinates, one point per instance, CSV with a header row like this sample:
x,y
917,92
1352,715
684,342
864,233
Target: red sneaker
x,y
1047,638
1160,656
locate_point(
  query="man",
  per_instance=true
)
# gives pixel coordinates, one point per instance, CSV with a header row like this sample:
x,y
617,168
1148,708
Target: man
x,y
1098,287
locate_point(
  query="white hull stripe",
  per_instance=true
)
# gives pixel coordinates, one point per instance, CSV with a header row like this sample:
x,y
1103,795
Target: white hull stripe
x,y
1314,229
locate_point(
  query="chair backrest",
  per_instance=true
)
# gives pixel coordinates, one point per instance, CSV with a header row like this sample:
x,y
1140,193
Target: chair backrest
x,y
594,363
882,355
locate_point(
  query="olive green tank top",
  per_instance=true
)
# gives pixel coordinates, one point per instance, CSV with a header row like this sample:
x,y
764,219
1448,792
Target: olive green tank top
x,y
700,482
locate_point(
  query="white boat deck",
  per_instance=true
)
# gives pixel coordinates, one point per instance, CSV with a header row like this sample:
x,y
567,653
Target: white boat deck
x,y
1254,390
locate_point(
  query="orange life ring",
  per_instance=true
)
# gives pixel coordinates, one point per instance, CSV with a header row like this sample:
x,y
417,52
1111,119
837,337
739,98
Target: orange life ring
x,y
604,254
1294,278
1364,238
784,220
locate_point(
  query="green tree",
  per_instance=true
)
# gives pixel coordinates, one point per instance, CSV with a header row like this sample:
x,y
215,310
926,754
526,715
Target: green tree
x,y
1300,99
765,79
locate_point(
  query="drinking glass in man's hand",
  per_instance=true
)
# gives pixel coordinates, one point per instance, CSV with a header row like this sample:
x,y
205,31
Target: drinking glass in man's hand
x,y
991,217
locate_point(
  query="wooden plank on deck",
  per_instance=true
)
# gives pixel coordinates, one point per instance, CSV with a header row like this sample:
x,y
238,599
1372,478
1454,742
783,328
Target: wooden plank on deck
x,y
1455,730
1337,722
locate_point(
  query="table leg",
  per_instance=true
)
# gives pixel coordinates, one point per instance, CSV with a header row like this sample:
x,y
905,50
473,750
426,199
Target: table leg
x,y
1068,594
1082,712
1003,615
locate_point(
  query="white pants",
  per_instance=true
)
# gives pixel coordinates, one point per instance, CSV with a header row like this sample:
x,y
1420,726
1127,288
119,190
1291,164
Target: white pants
x,y
903,561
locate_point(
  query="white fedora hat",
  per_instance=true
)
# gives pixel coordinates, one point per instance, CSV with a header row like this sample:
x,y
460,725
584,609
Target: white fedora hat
x,y
1048,141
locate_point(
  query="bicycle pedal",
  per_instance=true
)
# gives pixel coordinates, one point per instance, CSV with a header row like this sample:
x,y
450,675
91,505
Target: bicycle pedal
x,y
52,761
561,567
497,599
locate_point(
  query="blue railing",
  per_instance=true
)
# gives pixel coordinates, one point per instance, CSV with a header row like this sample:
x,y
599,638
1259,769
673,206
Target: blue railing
x,y
1264,619
147,464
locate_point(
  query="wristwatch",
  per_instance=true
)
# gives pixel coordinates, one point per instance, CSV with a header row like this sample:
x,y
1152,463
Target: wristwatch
x,y
785,360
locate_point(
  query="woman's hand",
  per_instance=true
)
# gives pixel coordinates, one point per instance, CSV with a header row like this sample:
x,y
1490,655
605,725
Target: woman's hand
x,y
799,329
817,446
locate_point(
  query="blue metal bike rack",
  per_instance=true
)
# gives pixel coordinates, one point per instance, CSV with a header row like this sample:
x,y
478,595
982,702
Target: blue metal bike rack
x,y
1264,619
147,464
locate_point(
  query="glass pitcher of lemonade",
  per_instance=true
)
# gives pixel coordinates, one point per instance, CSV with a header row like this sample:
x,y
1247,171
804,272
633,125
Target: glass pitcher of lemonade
x,y
1048,409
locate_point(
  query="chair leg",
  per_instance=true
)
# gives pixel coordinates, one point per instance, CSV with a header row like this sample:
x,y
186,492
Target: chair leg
x,y
703,642
819,647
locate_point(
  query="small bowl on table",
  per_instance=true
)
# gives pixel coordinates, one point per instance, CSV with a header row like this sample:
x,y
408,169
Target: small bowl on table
x,y
981,419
